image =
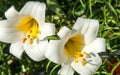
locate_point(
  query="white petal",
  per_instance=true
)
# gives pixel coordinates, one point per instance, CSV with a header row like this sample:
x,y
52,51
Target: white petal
x,y
79,24
55,51
36,10
82,70
4,24
64,32
47,30
95,62
16,49
8,33
86,26
92,30
36,50
96,46
11,14
66,69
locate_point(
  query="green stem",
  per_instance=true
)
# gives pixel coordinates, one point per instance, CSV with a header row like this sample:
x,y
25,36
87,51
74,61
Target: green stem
x,y
112,9
54,69
48,66
90,7
114,68
83,5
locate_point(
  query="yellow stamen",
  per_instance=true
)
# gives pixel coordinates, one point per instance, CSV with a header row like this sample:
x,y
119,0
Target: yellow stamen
x,y
83,61
23,40
30,27
30,40
78,55
28,36
85,54
76,60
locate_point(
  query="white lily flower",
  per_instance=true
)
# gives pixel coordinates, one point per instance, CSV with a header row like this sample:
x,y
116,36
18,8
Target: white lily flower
x,y
77,48
26,30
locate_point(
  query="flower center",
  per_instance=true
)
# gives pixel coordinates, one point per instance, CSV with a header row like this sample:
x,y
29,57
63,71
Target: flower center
x,y
73,48
30,27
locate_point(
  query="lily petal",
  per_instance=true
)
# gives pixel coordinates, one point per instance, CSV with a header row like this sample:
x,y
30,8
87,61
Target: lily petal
x,y
4,24
64,32
9,34
36,10
11,14
55,51
93,63
98,45
47,30
92,30
66,69
79,25
16,49
79,68
36,50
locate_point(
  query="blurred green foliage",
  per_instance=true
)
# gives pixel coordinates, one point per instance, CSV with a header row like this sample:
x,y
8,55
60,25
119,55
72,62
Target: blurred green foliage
x,y
64,13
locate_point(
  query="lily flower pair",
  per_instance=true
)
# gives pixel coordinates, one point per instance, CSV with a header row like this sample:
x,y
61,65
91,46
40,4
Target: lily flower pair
x,y
76,49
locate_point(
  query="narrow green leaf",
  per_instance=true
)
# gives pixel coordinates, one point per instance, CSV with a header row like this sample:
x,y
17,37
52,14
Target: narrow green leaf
x,y
83,5
55,7
90,8
54,69
114,68
48,64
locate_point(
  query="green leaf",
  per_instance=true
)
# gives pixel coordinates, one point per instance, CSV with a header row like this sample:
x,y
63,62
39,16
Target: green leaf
x,y
53,37
55,7
55,67
48,66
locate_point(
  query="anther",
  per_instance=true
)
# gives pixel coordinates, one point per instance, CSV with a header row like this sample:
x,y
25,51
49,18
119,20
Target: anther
x,y
28,36
30,40
85,54
83,61
78,55
23,40
76,60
